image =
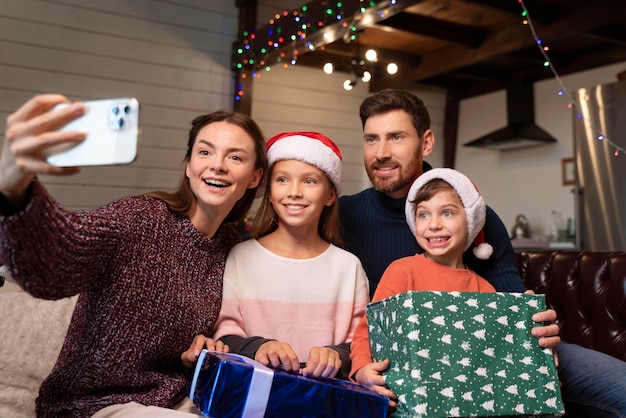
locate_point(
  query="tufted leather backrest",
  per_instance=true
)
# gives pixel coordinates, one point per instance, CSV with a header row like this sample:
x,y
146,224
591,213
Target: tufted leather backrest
x,y
588,292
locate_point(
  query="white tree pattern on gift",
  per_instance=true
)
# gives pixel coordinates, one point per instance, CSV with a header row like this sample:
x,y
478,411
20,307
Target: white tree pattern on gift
x,y
464,354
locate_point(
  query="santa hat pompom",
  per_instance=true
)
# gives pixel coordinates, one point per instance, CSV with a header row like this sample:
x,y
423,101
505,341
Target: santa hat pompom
x,y
482,250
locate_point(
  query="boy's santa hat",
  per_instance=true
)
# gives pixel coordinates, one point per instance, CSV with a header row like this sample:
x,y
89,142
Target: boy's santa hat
x,y
310,147
472,201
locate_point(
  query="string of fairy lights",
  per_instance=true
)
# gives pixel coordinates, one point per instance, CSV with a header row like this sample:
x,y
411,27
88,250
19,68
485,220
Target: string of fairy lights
x,y
563,90
303,25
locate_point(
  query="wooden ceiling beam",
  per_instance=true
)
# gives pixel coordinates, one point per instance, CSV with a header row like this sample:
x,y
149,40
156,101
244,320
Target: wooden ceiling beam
x,y
604,56
613,34
339,51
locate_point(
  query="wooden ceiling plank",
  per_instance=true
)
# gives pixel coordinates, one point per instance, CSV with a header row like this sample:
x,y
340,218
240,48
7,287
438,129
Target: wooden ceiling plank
x,y
464,35
504,6
539,11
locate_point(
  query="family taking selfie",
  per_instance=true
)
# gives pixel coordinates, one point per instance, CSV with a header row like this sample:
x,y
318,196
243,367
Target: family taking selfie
x,y
230,241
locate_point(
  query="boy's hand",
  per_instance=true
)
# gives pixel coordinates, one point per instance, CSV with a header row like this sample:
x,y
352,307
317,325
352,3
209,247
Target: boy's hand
x,y
370,376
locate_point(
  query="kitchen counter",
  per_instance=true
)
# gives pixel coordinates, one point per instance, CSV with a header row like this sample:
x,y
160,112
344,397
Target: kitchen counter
x,y
521,244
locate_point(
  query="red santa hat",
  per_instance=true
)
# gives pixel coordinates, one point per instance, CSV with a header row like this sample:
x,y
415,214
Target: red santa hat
x,y
475,208
310,147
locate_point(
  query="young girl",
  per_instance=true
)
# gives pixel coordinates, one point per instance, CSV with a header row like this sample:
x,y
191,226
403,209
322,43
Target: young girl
x,y
291,295
446,214
148,268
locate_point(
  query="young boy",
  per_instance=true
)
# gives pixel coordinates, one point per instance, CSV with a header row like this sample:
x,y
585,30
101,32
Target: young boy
x,y
446,214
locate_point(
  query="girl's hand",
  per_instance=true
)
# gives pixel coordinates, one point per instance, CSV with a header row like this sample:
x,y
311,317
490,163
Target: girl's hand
x,y
322,362
30,132
278,354
199,343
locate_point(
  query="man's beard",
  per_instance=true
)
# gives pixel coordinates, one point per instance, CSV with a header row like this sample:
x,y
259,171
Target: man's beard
x,y
392,185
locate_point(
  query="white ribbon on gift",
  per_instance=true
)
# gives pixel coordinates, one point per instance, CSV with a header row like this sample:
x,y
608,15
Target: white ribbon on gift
x,y
258,390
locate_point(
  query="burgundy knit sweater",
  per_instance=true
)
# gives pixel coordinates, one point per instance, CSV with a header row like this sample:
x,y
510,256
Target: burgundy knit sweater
x,y
148,283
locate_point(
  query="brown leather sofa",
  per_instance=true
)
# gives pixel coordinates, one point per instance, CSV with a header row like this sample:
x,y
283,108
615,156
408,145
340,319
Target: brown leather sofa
x,y
588,292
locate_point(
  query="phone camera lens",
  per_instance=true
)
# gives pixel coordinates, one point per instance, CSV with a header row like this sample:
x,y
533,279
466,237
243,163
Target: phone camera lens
x,y
127,109
115,110
120,122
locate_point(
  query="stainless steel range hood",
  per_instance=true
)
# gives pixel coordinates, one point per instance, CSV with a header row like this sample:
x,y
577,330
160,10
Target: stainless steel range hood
x,y
521,130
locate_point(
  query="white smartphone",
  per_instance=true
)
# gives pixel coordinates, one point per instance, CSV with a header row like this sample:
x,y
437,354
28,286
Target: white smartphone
x,y
112,127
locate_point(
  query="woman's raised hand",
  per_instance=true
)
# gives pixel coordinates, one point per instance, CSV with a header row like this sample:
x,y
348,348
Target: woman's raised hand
x,y
30,132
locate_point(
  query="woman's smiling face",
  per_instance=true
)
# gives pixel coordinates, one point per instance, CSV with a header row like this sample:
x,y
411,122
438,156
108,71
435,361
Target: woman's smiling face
x,y
221,166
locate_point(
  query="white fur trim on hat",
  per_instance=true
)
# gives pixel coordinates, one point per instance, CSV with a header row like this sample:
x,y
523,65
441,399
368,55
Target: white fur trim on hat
x,y
309,147
472,201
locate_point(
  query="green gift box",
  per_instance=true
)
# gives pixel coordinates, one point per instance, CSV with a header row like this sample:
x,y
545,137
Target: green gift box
x,y
456,354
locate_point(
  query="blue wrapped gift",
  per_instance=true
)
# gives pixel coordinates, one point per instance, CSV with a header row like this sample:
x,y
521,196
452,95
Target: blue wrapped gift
x,y
230,385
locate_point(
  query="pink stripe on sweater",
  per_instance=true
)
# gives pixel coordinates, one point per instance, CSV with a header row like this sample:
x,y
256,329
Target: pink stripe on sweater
x,y
302,325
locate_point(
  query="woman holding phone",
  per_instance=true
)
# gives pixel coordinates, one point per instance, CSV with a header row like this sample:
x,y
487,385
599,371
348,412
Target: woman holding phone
x,y
147,269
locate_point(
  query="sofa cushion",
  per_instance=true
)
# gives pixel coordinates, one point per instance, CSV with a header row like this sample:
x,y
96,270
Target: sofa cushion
x,y
32,331
588,292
